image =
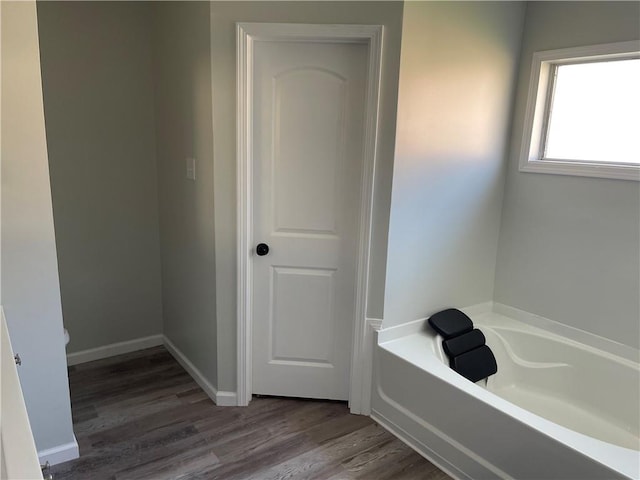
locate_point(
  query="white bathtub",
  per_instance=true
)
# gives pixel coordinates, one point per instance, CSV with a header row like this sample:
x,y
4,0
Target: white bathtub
x,y
556,409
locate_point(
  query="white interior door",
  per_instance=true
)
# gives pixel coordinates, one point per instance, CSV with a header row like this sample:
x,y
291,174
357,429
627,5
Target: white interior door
x,y
308,104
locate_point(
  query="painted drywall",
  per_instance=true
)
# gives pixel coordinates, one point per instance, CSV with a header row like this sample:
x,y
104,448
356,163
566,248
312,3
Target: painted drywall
x,y
98,99
224,17
570,246
31,292
457,75
184,130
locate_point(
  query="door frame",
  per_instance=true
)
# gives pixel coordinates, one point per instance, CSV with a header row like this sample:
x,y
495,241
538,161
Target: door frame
x,y
246,34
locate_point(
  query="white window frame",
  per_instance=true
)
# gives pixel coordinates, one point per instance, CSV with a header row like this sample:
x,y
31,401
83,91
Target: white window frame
x,y
537,112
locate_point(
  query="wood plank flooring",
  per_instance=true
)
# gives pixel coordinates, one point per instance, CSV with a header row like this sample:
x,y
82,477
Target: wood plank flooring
x,y
141,416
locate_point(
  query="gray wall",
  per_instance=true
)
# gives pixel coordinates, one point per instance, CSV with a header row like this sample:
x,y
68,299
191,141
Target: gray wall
x,y
30,289
457,77
459,62
184,129
98,98
225,15
570,246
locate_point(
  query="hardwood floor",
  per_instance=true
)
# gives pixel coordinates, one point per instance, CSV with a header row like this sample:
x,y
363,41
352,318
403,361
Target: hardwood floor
x,y
141,416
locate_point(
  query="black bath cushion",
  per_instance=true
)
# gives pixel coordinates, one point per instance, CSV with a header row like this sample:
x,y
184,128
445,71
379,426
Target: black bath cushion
x,y
476,364
463,343
450,323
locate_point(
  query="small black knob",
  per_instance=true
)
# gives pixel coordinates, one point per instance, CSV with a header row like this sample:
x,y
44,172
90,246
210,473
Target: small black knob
x,y
262,249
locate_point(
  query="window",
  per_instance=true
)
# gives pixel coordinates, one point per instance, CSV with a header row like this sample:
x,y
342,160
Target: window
x,y
583,112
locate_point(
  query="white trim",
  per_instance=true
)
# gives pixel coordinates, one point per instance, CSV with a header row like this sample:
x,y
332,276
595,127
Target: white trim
x,y
225,399
244,215
61,453
531,148
373,326
191,369
247,33
113,349
558,167
220,398
567,331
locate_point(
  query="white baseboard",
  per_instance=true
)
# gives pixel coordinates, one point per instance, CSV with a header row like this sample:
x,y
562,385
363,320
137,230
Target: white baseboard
x,y
223,399
113,349
61,453
226,399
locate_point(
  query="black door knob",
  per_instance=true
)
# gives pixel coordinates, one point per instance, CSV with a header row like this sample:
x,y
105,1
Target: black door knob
x,y
262,249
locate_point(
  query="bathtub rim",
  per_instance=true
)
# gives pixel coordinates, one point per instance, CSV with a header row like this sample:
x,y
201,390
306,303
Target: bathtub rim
x,y
566,332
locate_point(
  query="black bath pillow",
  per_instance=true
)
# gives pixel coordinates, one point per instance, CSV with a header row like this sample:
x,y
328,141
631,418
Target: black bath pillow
x,y
463,343
450,323
476,364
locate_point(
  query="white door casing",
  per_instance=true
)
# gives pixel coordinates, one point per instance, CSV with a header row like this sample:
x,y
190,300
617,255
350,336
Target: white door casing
x,y
314,240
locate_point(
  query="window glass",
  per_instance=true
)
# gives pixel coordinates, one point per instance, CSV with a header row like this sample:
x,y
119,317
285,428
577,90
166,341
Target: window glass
x,y
594,115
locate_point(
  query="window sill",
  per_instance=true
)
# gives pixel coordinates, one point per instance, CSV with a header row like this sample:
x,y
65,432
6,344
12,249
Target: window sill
x,y
558,167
